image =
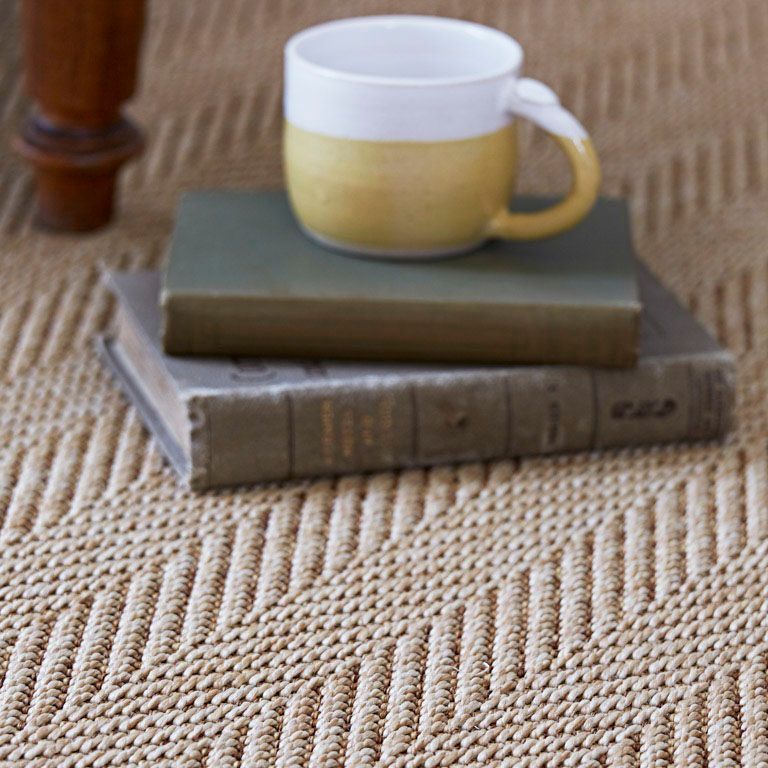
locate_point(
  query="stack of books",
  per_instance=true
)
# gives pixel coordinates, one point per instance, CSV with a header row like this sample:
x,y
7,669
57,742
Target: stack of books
x,y
258,355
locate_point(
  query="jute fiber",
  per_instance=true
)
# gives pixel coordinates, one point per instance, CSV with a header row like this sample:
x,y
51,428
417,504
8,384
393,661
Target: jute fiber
x,y
586,610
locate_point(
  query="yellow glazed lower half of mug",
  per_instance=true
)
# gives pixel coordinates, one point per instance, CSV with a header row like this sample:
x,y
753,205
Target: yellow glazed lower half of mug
x,y
401,196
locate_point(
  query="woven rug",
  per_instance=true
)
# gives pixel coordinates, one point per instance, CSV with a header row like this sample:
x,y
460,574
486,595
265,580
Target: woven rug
x,y
593,610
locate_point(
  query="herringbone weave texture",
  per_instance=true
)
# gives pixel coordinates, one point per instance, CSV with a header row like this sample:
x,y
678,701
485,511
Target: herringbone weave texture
x,y
587,610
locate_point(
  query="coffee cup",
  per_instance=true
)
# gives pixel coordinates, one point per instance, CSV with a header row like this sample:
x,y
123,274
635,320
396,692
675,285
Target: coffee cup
x,y
400,137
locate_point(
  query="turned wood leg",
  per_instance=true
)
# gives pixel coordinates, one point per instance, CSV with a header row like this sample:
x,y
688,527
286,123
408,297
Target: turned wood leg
x,y
81,60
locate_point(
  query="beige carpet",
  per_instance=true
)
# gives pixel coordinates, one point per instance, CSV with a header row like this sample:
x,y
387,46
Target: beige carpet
x,y
588,610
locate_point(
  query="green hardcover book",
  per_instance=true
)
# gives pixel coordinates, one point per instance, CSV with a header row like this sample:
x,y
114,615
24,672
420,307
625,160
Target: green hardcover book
x,y
243,280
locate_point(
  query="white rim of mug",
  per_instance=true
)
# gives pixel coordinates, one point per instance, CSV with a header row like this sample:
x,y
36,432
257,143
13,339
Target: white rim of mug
x,y
515,50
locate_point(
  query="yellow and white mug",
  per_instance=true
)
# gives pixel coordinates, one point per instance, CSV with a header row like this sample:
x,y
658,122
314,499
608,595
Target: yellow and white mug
x,y
400,137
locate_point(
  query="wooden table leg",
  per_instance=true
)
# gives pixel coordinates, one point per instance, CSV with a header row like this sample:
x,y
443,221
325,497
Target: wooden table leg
x,y
81,60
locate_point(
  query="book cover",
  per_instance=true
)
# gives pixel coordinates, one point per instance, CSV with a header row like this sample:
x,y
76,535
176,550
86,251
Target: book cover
x,y
242,279
240,420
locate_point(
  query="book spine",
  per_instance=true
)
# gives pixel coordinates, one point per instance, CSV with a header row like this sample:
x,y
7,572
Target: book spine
x,y
469,334
394,423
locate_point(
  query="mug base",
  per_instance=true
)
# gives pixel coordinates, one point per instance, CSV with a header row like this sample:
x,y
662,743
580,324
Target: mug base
x,y
368,252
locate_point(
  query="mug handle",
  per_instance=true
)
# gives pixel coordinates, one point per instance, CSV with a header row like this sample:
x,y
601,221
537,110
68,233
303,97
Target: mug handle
x,y
538,103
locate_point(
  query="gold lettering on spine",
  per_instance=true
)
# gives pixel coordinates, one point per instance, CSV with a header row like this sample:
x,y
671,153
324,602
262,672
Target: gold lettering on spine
x,y
327,432
367,428
348,434
386,426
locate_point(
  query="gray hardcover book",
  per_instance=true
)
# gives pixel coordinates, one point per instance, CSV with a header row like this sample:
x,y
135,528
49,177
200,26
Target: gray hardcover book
x,y
241,420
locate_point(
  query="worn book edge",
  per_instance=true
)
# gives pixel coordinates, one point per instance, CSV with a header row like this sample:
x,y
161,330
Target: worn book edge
x,y
109,352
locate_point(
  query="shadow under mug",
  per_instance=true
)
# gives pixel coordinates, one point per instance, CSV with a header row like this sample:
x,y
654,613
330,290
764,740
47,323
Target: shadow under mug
x,y
400,137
